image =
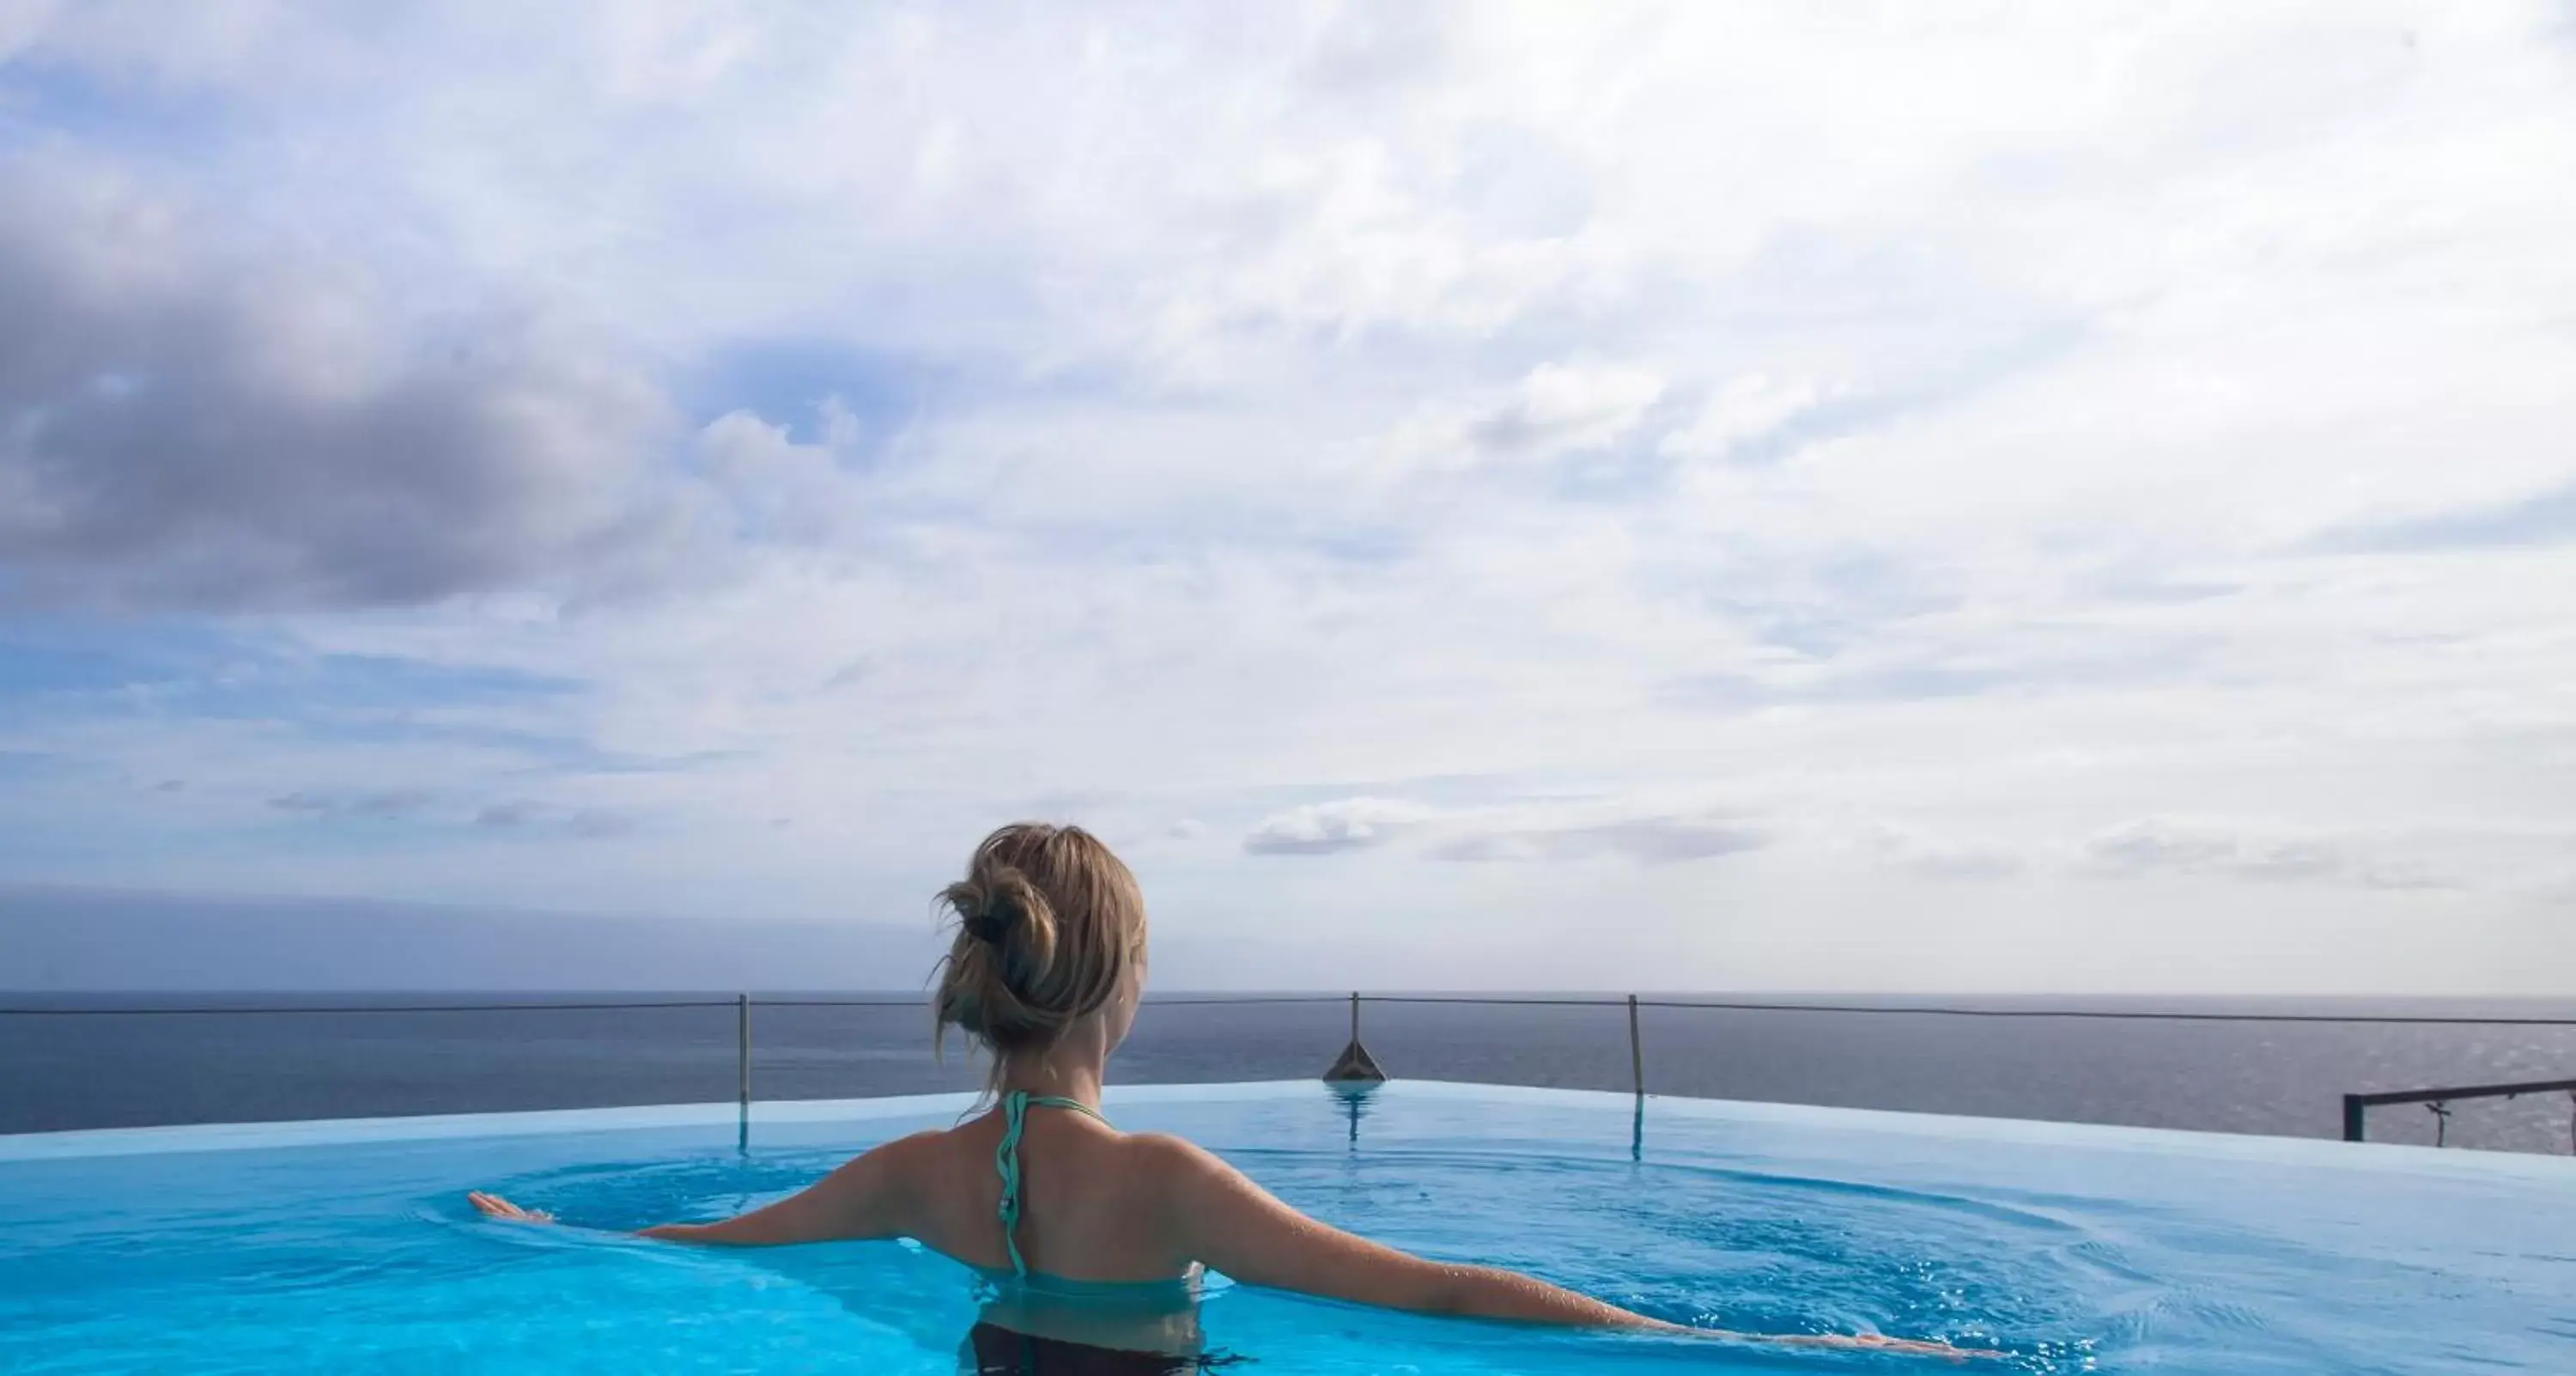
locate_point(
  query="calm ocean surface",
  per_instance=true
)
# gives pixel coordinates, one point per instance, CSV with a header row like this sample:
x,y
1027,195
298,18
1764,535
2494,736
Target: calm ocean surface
x,y
115,1068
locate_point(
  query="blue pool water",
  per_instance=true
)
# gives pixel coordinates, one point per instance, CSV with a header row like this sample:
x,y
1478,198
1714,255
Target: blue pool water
x,y
349,1246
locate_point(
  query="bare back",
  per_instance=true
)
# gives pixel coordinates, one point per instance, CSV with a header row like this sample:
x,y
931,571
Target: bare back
x,y
1092,1199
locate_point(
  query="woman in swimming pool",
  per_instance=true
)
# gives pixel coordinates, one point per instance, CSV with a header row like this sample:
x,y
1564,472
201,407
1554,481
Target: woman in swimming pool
x,y
1088,1235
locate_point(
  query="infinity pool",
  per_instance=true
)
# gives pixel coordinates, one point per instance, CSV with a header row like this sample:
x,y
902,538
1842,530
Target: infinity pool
x,y
349,1246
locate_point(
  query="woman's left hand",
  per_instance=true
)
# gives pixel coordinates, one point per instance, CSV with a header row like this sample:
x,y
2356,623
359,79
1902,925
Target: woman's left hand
x,y
1874,1342
495,1206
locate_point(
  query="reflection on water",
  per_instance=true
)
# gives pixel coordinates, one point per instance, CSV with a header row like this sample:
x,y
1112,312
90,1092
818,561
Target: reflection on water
x,y
1355,1096
992,1350
1117,1329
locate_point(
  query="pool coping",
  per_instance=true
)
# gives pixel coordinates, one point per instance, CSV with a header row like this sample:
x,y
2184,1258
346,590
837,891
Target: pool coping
x,y
87,1143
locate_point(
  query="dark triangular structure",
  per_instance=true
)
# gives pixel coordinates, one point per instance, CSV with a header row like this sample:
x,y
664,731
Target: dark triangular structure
x,y
1355,1063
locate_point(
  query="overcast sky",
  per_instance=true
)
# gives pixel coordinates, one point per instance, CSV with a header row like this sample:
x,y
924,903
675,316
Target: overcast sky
x,y
2055,497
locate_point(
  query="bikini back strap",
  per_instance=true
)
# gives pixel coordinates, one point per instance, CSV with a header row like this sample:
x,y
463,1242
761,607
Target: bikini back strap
x,y
1006,1160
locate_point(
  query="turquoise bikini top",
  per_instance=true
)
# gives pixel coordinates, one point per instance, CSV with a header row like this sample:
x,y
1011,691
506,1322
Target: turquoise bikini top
x,y
1006,1160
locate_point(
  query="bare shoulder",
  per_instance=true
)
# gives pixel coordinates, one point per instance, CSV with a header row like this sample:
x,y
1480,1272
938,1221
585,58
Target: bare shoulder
x,y
925,1143
919,1146
1174,1160
905,1161
1186,1180
1175,1189
1165,1149
892,1185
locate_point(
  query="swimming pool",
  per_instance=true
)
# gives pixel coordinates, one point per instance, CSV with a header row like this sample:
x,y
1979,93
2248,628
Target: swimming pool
x,y
349,1245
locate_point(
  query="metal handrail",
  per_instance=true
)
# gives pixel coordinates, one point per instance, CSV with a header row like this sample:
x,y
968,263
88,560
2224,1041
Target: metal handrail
x,y
2355,1106
1209,1000
2142,1015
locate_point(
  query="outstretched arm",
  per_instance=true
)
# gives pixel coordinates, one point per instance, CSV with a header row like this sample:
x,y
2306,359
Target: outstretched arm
x,y
1241,1229
863,1199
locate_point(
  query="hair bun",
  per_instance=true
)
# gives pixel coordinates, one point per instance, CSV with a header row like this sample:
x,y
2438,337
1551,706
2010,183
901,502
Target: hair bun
x,y
991,918
1049,925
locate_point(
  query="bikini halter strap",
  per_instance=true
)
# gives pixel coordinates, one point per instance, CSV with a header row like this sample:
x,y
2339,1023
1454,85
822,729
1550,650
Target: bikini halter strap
x,y
1006,1159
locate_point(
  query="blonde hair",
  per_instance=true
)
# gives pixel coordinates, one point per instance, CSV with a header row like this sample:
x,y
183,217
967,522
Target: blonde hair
x,y
1050,923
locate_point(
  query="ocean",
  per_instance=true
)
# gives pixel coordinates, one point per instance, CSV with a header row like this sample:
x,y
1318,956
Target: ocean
x,y
86,1061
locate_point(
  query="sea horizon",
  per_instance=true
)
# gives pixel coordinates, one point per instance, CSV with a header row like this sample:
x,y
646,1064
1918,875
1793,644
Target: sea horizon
x,y
2276,1064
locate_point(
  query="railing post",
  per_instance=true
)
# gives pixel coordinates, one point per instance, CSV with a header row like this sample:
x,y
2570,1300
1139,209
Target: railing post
x,y
742,1048
1355,1063
1636,1050
2356,1116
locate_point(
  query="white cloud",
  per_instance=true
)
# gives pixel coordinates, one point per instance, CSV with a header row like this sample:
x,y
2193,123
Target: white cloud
x,y
1561,407
1746,408
1324,828
779,489
21,21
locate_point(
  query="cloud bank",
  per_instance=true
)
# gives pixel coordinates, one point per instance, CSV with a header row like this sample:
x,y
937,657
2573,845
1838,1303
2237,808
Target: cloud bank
x,y
1502,433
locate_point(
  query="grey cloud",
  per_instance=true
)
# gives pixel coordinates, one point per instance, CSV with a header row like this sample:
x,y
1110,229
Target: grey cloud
x,y
2035,671
1508,429
377,805
1900,684
2155,590
1258,844
1961,864
1936,858
1567,406
1369,47
1836,603
1653,840
600,822
2547,518
2158,845
516,813
185,423
1274,843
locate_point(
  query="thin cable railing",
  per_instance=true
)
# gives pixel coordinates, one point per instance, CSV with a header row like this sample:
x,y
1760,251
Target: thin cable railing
x,y
1357,1063
1213,1000
1929,1010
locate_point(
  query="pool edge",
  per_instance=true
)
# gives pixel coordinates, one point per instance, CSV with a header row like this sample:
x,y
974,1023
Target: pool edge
x,y
88,1143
